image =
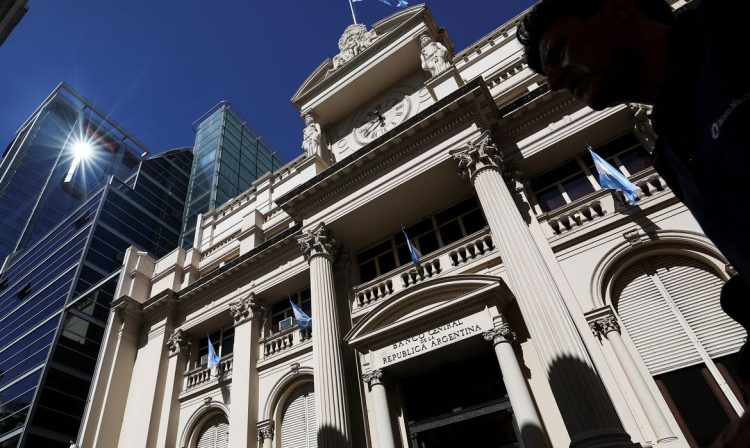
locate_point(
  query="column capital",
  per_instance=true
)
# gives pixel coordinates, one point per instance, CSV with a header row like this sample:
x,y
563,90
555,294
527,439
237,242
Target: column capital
x,y
501,333
603,325
318,241
265,430
179,343
373,377
478,155
244,309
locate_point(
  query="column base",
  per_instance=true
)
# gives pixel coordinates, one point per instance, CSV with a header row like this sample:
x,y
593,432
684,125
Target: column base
x,y
604,439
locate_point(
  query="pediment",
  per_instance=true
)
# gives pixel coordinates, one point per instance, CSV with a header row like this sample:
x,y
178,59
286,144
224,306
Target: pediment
x,y
419,307
390,42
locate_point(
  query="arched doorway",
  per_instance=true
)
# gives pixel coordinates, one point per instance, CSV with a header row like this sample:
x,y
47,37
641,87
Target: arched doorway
x,y
298,425
214,433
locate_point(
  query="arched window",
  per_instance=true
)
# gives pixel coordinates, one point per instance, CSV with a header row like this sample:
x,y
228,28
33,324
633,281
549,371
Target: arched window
x,y
215,433
669,305
298,428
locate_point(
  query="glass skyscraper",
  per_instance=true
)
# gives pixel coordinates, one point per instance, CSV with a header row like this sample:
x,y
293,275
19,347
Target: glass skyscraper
x,y
56,287
229,156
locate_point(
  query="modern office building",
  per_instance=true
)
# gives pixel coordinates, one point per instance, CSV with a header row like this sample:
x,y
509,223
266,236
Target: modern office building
x,y
543,311
229,156
11,12
94,197
44,173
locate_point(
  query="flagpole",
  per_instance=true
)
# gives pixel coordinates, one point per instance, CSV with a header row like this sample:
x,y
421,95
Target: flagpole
x,y
351,6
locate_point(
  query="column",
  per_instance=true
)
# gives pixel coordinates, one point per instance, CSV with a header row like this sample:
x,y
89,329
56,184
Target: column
x,y
585,406
179,346
380,402
243,405
319,249
607,326
529,423
265,434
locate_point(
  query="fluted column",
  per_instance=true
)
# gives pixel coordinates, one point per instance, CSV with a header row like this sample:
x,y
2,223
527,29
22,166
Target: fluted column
x,y
243,406
265,434
331,409
527,419
179,346
606,326
585,406
380,402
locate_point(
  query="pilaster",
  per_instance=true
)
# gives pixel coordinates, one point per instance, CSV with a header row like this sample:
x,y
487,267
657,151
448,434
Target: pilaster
x,y
243,405
178,344
266,431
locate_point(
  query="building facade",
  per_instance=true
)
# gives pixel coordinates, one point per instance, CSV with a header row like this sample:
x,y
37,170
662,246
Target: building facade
x,y
229,156
55,290
544,310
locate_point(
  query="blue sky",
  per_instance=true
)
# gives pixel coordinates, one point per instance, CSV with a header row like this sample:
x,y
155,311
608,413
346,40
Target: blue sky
x,y
155,66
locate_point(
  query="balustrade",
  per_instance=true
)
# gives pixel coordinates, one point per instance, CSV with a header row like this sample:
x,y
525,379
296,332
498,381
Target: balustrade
x,y
203,375
285,340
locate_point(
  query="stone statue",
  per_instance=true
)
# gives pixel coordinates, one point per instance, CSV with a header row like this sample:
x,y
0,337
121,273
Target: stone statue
x,y
311,136
355,39
434,55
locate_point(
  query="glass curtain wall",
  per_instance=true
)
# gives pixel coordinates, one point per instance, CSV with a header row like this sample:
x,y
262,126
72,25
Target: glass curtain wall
x,y
229,157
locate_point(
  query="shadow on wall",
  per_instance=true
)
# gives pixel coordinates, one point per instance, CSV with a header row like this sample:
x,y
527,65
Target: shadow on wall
x,y
575,385
331,438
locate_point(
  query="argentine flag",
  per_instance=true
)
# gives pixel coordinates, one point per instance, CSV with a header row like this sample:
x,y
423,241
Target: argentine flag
x,y
611,178
394,3
415,255
213,358
303,320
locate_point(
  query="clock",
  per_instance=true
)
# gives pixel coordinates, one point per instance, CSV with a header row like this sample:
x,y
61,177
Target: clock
x,y
380,117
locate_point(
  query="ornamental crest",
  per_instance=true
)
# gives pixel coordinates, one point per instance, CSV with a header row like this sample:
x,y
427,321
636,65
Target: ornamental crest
x,y
354,40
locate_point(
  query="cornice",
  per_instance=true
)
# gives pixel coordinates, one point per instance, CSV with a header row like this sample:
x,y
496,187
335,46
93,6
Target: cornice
x,y
471,102
232,273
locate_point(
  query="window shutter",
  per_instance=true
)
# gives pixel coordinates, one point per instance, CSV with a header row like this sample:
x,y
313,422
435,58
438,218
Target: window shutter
x,y
215,433
298,429
650,322
695,290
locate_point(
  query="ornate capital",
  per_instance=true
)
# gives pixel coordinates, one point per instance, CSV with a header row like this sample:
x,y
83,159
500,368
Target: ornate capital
x,y
478,155
373,377
265,430
179,343
501,333
642,127
603,325
318,241
244,309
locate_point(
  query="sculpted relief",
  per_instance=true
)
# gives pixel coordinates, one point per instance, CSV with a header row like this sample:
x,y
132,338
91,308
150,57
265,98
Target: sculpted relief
x,y
354,40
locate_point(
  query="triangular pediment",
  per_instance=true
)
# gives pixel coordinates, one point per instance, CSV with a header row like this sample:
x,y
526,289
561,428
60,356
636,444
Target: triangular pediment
x,y
416,307
362,46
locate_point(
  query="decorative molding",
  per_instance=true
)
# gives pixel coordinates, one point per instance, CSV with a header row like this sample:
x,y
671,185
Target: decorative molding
x,y
730,270
603,325
294,368
373,377
318,241
633,237
266,430
642,127
179,343
244,309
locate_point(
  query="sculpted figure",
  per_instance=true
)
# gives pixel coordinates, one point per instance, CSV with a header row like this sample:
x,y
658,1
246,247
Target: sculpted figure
x,y
355,39
311,136
434,55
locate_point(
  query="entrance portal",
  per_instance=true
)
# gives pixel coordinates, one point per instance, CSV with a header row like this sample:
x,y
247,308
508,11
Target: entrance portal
x,y
460,404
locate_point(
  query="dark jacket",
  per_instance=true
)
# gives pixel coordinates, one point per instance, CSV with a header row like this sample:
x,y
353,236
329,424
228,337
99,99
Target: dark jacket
x,y
702,117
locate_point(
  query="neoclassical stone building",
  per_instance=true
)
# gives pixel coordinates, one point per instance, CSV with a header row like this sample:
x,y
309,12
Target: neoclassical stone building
x,y
544,311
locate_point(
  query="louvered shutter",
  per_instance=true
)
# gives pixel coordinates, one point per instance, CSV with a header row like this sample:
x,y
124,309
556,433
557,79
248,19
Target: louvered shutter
x,y
215,433
695,290
651,323
312,427
298,428
222,433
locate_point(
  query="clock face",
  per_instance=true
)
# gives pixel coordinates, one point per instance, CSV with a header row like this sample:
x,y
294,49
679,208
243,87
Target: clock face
x,y
380,117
